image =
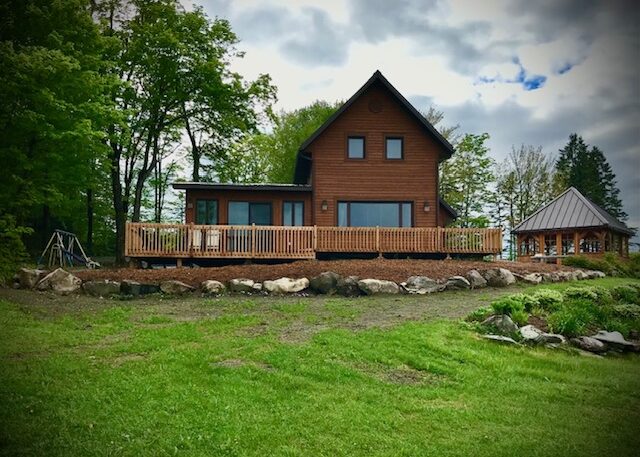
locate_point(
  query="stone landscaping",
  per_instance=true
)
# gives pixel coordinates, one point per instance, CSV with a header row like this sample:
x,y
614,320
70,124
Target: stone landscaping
x,y
326,283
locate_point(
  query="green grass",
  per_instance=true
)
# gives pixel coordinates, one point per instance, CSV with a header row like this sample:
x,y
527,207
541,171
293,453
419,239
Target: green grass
x,y
291,376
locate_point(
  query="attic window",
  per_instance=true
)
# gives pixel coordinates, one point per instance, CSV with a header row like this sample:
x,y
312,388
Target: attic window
x,y
355,147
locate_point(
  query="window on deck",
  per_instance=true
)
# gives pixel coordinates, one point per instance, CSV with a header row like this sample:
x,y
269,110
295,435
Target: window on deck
x,y
355,147
293,213
529,246
375,214
247,213
590,243
568,244
207,212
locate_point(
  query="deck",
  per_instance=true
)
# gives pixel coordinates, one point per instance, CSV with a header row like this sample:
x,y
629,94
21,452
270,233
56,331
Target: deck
x,y
186,241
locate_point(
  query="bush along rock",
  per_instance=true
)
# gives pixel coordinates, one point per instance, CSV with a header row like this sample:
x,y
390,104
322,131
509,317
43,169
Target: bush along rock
x,y
325,283
457,283
378,286
101,288
499,277
60,281
285,285
502,322
475,279
348,286
421,285
212,287
135,289
28,278
242,285
586,343
173,287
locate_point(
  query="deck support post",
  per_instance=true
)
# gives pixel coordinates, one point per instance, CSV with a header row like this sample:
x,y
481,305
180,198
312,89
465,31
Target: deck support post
x,y
179,263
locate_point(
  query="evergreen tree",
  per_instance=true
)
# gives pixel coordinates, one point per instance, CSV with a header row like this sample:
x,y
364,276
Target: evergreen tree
x,y
587,170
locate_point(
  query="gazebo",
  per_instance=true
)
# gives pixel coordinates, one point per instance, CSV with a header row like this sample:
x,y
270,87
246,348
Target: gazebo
x,y
571,224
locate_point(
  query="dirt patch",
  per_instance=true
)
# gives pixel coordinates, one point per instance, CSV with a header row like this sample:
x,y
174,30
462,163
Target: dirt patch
x,y
393,270
122,359
401,375
539,323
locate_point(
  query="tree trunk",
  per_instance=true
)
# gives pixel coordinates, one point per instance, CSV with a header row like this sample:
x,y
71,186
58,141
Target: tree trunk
x,y
89,246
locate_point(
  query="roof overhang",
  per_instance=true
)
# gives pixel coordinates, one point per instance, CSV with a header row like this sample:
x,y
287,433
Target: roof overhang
x,y
271,187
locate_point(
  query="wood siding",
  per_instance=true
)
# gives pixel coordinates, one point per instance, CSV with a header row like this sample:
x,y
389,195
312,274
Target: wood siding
x,y
225,196
414,178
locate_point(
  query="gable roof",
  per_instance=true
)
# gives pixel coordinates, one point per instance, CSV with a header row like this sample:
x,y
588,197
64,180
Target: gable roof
x,y
303,161
570,209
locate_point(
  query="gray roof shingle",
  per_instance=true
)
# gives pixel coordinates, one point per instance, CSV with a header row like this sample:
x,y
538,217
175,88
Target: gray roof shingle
x,y
570,209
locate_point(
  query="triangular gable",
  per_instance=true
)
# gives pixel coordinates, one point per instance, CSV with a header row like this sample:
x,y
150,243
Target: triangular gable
x,y
569,210
302,161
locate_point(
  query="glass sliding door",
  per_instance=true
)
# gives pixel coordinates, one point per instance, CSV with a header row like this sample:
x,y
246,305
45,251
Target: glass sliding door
x,y
207,212
293,214
248,213
375,214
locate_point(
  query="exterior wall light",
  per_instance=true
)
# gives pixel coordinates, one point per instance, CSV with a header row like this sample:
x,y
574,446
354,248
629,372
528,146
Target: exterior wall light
x,y
324,205
426,208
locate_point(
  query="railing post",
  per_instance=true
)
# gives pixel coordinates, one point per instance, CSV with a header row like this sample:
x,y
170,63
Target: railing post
x,y
315,240
378,241
253,240
190,230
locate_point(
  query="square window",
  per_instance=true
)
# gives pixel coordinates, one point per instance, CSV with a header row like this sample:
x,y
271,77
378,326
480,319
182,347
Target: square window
x,y
394,148
355,147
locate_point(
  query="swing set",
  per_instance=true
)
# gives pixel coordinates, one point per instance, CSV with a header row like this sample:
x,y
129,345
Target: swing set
x,y
64,249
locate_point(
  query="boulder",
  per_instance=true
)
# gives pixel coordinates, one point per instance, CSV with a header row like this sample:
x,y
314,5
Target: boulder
x,y
502,323
285,285
457,283
614,340
421,285
530,334
173,287
499,277
28,278
257,287
101,288
586,343
595,274
550,277
60,281
475,279
567,276
348,286
213,287
378,286
552,338
532,278
581,275
134,288
325,283
500,339
241,285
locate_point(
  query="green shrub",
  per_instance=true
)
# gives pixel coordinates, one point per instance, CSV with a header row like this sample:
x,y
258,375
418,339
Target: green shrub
x,y
569,321
507,305
626,294
520,317
586,293
549,299
480,314
610,263
529,301
12,250
586,263
626,311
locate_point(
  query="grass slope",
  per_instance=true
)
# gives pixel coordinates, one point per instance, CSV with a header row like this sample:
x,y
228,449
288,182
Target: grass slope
x,y
224,377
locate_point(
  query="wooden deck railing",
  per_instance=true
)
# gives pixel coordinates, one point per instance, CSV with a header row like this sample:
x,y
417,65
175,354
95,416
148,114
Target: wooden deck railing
x,y
277,242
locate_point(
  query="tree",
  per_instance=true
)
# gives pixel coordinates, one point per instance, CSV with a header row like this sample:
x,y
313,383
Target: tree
x,y
291,129
451,133
54,85
465,179
587,170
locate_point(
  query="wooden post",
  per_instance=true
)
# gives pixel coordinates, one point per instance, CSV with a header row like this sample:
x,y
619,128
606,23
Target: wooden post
x,y
378,241
558,248
253,240
576,243
179,262
315,240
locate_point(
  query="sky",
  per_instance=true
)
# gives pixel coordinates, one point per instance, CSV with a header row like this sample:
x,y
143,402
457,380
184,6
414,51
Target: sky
x,y
526,72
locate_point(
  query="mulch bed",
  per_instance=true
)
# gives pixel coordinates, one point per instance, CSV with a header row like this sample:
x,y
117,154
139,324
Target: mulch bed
x,y
393,270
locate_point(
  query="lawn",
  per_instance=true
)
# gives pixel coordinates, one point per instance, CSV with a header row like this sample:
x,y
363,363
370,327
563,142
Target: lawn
x,y
297,376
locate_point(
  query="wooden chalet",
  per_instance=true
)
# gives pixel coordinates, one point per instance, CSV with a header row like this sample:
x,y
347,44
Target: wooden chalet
x,y
366,181
571,224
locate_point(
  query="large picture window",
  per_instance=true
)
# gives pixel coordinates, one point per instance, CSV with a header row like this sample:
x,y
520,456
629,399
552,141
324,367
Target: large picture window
x,y
293,214
207,212
247,213
373,214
